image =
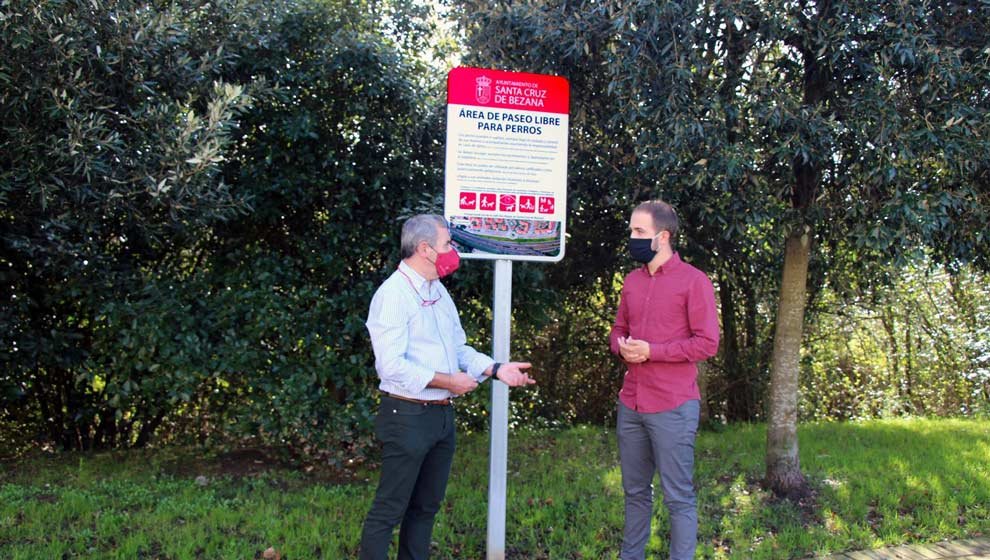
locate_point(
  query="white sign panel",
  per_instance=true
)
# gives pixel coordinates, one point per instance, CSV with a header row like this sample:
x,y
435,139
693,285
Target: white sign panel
x,y
506,164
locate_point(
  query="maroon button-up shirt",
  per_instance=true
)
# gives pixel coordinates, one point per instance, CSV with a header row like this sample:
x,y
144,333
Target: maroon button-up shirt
x,y
674,311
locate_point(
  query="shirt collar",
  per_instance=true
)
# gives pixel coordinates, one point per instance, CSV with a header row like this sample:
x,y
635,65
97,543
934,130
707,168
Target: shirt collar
x,y
418,281
672,264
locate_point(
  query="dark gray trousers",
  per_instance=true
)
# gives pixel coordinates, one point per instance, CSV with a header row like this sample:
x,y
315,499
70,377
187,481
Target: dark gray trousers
x,y
417,450
661,442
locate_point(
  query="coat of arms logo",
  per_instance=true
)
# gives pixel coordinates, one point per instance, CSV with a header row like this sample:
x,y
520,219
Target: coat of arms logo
x,y
483,89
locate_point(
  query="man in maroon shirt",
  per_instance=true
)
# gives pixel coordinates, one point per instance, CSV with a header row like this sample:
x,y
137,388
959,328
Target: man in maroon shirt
x,y
666,323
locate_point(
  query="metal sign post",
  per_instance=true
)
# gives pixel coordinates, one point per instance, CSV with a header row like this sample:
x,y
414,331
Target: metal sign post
x,y
505,196
501,328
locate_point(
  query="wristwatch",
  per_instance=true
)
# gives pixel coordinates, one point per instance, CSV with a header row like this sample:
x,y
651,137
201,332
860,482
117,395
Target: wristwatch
x,y
495,367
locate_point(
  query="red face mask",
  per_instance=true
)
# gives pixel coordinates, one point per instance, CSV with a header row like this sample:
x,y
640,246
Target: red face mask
x,y
447,263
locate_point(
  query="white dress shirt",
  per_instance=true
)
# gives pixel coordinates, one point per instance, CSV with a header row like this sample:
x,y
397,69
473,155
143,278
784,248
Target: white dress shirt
x,y
413,341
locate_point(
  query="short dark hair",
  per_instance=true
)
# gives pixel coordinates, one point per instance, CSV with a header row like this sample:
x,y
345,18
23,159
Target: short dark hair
x,y
663,215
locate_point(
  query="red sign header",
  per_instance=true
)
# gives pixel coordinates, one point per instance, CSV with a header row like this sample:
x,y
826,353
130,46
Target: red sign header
x,y
508,90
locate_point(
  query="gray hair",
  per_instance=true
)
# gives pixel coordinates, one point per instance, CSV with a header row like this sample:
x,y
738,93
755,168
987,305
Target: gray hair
x,y
419,228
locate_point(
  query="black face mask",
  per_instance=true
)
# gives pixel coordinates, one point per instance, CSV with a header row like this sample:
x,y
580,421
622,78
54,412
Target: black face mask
x,y
641,249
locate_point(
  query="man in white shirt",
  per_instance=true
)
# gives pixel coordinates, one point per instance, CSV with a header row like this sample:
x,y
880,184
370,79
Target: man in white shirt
x,y
422,359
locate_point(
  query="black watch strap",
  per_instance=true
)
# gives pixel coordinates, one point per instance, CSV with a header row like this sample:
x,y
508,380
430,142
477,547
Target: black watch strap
x,y
495,367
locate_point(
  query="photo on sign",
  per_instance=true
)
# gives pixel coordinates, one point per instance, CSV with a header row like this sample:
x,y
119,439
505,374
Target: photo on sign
x,y
506,236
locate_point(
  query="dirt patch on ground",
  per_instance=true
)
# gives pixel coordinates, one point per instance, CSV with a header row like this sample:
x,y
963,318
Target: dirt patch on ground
x,y
253,462
238,463
805,500
186,462
246,462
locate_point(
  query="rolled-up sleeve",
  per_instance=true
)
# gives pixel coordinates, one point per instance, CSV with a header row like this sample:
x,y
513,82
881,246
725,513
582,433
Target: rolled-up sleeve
x,y
388,326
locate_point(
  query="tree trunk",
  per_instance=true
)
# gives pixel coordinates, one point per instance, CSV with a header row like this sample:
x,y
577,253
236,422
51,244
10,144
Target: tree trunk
x,y
106,430
917,406
783,464
148,428
889,326
737,389
751,340
705,414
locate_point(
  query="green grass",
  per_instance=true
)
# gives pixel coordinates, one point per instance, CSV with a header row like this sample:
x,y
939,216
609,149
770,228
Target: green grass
x,y
878,483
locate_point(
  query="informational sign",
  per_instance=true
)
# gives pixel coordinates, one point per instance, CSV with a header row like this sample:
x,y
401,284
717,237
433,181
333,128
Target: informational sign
x,y
506,164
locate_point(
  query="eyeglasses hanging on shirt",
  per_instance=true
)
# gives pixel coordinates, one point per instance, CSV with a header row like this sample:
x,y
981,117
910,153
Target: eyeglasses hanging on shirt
x,y
423,301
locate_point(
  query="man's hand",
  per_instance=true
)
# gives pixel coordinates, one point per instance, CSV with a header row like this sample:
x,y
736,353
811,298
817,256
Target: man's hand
x,y
461,383
634,351
512,374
